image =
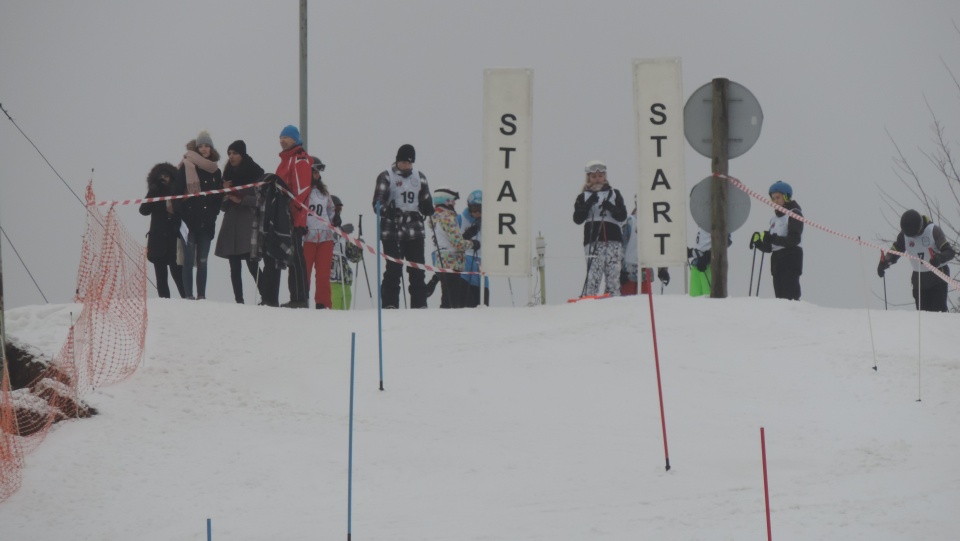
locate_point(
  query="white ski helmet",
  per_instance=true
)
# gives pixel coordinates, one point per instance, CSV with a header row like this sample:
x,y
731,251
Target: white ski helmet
x,y
595,166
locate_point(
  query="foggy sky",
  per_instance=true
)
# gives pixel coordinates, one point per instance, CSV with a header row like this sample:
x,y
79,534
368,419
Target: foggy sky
x,y
115,87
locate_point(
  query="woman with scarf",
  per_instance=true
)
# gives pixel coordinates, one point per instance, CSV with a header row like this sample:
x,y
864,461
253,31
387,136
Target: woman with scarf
x,y
199,172
236,228
601,210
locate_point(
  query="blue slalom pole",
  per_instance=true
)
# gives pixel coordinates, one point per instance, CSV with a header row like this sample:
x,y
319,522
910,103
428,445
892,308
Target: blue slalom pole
x,y
353,349
209,531
379,298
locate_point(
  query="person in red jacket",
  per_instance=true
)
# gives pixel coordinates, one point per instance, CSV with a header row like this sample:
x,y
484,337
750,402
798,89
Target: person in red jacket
x,y
296,170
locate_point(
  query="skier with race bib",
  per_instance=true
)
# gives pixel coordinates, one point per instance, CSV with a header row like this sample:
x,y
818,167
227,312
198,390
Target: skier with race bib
x,y
924,240
404,202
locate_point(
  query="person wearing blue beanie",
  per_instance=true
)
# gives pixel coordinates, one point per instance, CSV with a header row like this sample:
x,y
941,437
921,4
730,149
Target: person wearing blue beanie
x,y
292,132
296,171
782,242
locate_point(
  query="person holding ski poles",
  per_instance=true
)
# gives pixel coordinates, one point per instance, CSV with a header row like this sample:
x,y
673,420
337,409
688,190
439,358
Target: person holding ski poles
x,y
782,242
700,255
923,239
470,220
404,200
450,247
344,253
601,210
631,275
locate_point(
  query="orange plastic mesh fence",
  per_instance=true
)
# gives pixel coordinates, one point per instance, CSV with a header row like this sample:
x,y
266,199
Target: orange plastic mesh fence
x,y
104,345
11,456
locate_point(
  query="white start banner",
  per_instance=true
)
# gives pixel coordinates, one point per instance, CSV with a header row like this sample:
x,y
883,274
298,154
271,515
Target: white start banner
x,y
507,171
661,194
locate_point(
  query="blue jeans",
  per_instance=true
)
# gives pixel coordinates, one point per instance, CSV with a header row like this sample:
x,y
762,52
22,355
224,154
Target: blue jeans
x,y
195,251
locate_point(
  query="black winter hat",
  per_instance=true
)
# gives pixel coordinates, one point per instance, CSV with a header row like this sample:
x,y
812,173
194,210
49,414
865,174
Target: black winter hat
x,y
406,153
911,223
239,147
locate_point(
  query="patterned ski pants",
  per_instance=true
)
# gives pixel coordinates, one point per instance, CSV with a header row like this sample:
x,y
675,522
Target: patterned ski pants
x,y
607,257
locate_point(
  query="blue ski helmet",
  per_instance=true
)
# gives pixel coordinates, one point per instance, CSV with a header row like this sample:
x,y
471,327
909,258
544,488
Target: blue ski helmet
x,y
781,187
475,198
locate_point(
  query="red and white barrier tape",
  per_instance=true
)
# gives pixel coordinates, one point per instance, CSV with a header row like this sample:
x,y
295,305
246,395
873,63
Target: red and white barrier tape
x,y
759,197
357,242
172,197
364,246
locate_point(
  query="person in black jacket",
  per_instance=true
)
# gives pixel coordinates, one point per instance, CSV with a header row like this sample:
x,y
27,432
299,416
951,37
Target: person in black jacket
x,y
199,172
921,238
601,210
236,228
164,229
273,236
782,242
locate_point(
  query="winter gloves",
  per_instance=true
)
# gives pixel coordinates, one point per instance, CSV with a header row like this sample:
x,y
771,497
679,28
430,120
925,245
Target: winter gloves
x,y
472,231
700,260
762,241
882,267
664,275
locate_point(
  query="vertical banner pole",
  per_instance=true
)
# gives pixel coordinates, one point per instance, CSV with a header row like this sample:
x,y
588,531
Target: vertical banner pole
x,y
353,349
766,488
379,297
656,358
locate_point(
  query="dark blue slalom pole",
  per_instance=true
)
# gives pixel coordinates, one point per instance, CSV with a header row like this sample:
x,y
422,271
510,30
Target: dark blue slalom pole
x,y
353,349
209,530
379,298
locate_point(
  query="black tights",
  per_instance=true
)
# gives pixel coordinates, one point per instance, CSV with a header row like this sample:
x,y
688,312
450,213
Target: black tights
x,y
236,274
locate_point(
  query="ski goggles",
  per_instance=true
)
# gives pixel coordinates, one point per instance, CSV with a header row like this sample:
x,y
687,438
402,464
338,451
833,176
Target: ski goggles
x,y
596,168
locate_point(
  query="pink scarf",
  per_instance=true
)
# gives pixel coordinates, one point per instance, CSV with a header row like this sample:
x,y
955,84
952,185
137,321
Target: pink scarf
x,y
192,160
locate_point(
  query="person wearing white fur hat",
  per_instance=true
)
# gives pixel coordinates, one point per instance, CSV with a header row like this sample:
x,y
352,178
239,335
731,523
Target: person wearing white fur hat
x,y
601,210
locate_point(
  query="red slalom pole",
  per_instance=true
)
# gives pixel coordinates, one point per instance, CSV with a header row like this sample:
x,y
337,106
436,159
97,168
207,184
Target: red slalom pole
x,y
656,357
766,488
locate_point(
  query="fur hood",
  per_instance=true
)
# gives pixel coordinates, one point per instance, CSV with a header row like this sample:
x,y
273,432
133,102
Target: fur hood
x,y
165,168
214,155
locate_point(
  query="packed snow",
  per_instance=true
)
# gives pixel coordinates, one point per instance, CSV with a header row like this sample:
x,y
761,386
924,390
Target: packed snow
x,y
528,423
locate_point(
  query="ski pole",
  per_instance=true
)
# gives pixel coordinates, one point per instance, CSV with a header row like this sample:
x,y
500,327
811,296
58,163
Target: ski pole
x,y
595,234
884,291
753,265
362,259
760,273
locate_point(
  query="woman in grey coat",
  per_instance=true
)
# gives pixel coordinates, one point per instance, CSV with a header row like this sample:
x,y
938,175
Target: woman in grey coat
x,y
236,228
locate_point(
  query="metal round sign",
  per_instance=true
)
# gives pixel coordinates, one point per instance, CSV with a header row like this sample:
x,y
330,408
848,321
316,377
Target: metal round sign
x,y
744,119
738,206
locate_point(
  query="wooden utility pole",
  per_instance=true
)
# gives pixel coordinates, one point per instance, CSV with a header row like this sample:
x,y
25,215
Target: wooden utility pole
x,y
718,192
303,73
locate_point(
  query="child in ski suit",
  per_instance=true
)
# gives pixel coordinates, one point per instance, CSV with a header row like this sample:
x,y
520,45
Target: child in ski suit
x,y
341,275
450,247
318,242
601,210
470,225
782,242
923,239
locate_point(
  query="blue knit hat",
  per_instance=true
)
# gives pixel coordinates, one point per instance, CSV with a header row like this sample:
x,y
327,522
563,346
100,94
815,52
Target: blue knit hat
x,y
292,132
